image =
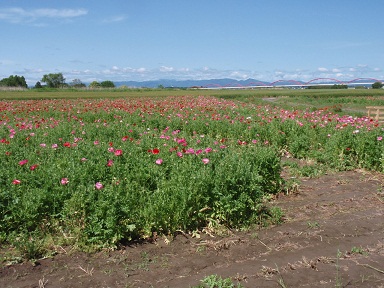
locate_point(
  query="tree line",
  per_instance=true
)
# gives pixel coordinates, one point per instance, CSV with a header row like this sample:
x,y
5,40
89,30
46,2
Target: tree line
x,y
53,80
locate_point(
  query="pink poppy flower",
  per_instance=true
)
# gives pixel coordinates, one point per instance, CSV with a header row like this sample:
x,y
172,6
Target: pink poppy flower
x,y
23,162
43,145
110,163
379,138
118,152
190,151
111,149
54,146
64,181
207,150
96,142
180,154
16,182
159,161
33,167
99,186
205,160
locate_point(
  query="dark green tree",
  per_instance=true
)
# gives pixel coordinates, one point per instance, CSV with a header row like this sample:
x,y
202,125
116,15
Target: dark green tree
x,y
38,85
14,81
107,84
377,85
339,86
54,80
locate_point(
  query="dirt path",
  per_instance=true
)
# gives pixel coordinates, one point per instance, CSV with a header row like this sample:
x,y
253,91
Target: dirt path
x,y
333,236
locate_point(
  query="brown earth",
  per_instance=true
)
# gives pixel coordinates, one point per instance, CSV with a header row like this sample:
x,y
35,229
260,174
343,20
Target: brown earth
x,y
332,236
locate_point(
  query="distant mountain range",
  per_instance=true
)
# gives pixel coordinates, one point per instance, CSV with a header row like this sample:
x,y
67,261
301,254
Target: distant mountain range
x,y
226,82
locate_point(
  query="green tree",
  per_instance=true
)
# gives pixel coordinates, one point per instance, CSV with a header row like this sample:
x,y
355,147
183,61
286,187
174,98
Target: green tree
x,y
339,86
54,80
76,83
14,81
38,85
94,84
377,85
107,84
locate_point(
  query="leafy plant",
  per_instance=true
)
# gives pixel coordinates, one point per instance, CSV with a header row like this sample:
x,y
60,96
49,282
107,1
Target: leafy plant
x,y
215,281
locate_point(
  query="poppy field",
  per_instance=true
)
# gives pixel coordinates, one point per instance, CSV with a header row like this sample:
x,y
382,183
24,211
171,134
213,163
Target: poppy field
x,y
99,172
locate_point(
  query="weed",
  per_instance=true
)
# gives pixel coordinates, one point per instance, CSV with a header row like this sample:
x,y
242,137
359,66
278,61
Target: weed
x,y
313,224
30,246
281,280
358,250
271,216
338,279
291,186
215,281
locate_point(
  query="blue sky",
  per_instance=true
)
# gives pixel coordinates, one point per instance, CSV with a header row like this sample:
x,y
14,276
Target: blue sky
x,y
202,39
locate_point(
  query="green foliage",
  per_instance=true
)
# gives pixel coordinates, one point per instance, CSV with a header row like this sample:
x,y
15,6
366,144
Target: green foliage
x,y
38,85
107,84
29,245
215,281
54,80
94,84
339,86
377,85
185,162
14,81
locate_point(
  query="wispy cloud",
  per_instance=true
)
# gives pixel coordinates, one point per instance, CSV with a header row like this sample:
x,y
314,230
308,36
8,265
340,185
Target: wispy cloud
x,y
19,15
114,19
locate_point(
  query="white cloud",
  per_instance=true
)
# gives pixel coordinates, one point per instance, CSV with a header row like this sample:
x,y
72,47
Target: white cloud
x,y
322,69
166,69
20,15
238,75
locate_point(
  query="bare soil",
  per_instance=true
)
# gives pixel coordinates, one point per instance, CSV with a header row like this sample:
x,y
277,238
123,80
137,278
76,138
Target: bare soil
x,y
332,236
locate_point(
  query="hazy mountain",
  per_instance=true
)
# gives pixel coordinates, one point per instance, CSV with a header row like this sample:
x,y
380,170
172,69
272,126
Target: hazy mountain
x,y
226,82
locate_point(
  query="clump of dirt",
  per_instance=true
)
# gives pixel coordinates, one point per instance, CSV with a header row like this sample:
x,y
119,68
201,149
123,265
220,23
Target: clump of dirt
x,y
332,236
